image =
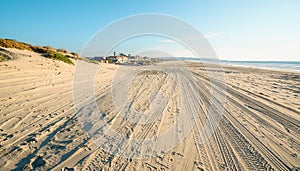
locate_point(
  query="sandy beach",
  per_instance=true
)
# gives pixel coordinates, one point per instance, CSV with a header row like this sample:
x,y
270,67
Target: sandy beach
x,y
39,130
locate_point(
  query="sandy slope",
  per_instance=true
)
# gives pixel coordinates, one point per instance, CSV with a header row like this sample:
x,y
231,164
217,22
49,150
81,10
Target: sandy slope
x,y
259,130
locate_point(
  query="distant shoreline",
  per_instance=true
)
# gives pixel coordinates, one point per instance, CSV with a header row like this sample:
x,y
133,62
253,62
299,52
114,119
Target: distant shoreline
x,y
275,65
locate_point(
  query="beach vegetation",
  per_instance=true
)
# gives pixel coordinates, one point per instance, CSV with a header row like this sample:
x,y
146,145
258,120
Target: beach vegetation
x,y
10,43
2,58
58,56
47,51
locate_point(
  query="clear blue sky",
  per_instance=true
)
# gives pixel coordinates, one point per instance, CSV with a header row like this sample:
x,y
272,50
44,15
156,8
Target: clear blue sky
x,y
238,30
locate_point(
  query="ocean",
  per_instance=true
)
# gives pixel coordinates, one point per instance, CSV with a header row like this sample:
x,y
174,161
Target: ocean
x,y
278,65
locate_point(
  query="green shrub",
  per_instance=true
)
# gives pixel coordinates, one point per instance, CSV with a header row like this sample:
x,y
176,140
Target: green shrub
x,y
59,56
2,58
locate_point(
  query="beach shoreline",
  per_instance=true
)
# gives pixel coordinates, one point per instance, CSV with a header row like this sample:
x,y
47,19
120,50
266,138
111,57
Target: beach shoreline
x,y
39,129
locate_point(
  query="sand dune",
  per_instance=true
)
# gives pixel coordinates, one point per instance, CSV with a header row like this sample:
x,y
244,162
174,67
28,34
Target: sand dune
x,y
259,128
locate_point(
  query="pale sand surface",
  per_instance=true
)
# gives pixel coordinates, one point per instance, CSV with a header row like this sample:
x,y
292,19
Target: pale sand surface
x,y
260,128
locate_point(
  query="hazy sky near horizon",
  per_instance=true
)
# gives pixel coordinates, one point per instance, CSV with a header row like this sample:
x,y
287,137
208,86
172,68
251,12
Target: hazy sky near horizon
x,y
237,30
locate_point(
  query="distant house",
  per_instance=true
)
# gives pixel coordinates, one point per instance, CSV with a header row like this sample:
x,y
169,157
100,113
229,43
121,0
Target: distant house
x,y
122,59
138,58
112,59
146,58
126,59
154,59
134,58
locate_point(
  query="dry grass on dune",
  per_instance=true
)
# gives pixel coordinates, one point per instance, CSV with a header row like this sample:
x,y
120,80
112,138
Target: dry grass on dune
x,y
47,51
